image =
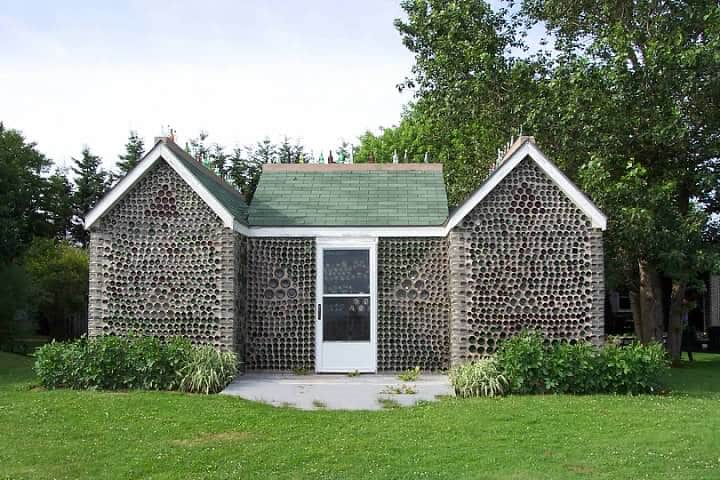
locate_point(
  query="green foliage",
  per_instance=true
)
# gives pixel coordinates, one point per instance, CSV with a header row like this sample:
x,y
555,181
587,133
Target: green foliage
x,y
245,164
208,370
134,151
524,361
627,102
634,368
112,363
577,368
92,182
481,378
533,365
17,300
409,375
59,272
31,202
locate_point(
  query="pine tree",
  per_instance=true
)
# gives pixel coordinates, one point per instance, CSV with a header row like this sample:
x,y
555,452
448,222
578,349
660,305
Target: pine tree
x,y
218,160
198,149
92,182
285,151
246,165
58,196
134,151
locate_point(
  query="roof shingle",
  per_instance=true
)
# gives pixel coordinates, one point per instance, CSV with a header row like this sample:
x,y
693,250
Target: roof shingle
x,y
350,195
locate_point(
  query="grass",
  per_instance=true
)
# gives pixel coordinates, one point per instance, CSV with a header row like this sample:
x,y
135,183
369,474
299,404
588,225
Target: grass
x,y
70,434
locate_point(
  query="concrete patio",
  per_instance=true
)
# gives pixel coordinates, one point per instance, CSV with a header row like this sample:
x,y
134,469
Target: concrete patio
x,y
337,392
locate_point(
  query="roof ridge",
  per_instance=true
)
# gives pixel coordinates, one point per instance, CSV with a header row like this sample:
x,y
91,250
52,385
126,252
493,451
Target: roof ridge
x,y
352,167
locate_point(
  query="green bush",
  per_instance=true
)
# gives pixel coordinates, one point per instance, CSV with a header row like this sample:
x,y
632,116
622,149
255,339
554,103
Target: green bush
x,y
111,363
523,360
480,378
533,365
574,368
208,370
633,368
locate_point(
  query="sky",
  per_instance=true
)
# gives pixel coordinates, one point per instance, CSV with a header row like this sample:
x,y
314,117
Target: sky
x,y
77,73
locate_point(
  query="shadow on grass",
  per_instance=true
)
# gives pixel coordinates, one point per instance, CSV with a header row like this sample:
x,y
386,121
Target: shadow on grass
x,y
698,378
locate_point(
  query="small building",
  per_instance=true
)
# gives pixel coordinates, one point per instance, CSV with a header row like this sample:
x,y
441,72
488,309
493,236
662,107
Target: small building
x,y
346,267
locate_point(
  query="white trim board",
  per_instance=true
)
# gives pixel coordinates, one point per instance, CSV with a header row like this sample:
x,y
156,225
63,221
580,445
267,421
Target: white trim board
x,y
528,149
598,219
160,150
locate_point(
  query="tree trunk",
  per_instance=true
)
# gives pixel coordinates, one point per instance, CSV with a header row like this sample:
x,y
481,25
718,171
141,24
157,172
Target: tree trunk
x,y
675,322
636,313
650,302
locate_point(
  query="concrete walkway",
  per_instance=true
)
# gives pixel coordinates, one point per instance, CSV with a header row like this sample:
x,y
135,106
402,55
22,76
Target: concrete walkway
x,y
337,392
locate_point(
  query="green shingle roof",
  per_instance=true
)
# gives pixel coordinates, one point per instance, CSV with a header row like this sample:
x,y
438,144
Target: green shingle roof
x,y
350,195
228,196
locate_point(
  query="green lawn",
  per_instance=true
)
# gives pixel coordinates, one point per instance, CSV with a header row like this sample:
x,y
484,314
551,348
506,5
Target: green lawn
x,y
68,434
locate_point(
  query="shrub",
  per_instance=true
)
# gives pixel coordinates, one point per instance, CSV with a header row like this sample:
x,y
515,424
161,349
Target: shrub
x,y
634,368
573,368
480,378
523,360
112,363
208,371
533,365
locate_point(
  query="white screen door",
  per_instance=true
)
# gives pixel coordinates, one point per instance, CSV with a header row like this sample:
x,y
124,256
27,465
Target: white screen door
x,y
346,306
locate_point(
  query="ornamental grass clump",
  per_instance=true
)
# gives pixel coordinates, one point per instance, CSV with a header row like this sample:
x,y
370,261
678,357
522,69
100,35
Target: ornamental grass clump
x,y
208,370
480,378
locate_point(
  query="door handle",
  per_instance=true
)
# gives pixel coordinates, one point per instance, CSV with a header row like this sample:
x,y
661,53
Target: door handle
x,y
319,310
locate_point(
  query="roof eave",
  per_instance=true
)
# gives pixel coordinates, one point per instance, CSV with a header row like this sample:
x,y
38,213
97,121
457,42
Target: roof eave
x,y
528,149
160,150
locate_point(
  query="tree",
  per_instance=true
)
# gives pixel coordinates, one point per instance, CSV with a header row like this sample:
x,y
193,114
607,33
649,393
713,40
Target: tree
x,y
246,165
25,202
134,151
288,152
641,78
59,272
198,149
412,135
58,197
469,92
627,102
218,160
92,182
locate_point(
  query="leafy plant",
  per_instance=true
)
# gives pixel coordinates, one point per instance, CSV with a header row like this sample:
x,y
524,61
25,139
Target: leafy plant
x,y
533,365
112,363
522,359
635,368
410,375
481,378
353,373
208,371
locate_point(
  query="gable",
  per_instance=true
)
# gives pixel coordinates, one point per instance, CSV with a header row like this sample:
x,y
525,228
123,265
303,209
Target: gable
x,y
223,200
160,201
525,149
350,195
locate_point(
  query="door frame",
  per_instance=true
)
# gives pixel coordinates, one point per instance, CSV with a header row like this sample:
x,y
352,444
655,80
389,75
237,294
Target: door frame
x,y
346,243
